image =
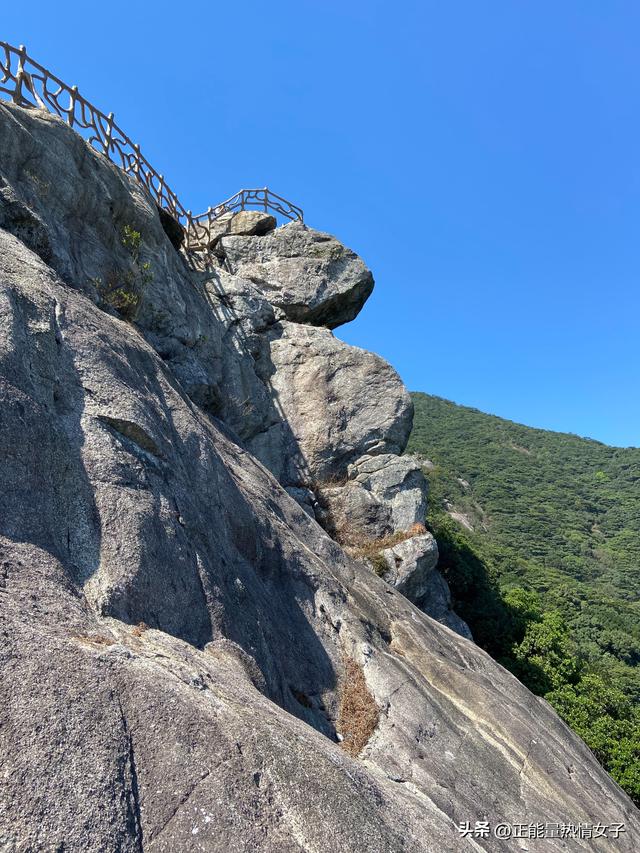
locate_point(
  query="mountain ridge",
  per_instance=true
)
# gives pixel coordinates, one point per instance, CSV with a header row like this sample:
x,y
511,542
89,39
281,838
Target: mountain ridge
x,y
532,523
505,419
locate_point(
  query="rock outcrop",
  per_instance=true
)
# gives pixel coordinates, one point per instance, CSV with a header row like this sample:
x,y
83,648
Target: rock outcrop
x,y
241,223
335,404
396,482
189,661
410,565
309,276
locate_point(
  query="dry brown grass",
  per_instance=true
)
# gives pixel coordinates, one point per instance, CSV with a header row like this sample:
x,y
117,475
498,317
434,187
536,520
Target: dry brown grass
x,y
358,716
332,480
370,549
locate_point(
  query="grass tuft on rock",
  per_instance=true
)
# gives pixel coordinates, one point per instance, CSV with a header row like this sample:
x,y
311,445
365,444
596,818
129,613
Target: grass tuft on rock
x,y
359,715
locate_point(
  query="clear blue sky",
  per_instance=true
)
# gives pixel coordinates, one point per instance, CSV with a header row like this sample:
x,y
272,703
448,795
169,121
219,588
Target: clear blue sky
x,y
483,157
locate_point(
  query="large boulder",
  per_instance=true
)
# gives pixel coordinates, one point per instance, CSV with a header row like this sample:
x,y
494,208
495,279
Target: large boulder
x,y
396,482
410,563
309,275
243,222
351,513
336,403
381,495
410,566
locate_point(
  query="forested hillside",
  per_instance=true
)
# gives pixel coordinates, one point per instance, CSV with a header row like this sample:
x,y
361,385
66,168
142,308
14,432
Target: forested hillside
x,y
539,535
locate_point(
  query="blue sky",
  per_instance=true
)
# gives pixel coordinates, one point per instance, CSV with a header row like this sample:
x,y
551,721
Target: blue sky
x,y
483,158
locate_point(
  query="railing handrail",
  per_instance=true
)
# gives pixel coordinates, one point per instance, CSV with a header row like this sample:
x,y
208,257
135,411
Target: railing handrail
x,y
260,197
30,79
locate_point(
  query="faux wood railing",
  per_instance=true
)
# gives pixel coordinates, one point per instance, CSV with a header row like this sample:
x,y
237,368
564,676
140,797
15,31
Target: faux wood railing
x,y
28,84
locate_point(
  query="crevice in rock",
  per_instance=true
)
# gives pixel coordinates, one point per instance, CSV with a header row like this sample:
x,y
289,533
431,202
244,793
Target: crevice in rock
x,y
172,228
133,433
183,799
301,698
26,226
130,784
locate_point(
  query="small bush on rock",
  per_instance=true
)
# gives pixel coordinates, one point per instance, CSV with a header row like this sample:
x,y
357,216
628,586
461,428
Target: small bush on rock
x,y
123,291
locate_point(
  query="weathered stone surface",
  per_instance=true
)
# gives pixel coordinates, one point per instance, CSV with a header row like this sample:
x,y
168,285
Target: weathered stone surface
x,y
410,564
213,725
396,481
361,520
70,205
384,494
352,514
308,275
412,570
336,402
243,222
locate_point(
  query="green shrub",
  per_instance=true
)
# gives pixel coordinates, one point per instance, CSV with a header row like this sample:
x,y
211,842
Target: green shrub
x,y
123,291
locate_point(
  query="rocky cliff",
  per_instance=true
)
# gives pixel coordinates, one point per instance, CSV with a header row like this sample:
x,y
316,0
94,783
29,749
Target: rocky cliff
x,y
200,487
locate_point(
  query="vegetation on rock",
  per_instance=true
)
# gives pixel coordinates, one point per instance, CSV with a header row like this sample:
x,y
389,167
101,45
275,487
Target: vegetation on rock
x,y
546,569
371,549
124,291
359,713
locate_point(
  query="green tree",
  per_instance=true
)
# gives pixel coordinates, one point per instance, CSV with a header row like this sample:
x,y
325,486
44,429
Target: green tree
x,y
608,722
548,575
546,658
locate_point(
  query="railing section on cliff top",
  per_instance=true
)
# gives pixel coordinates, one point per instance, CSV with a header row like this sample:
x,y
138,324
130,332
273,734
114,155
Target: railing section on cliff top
x,y
29,84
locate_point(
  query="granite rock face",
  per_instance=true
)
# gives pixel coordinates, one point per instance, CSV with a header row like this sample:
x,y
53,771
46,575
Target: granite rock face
x,y
243,223
308,275
336,403
411,568
177,633
72,207
410,563
396,482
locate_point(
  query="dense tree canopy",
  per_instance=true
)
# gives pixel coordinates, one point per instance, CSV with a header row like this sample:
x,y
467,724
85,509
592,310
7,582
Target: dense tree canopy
x,y
539,537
